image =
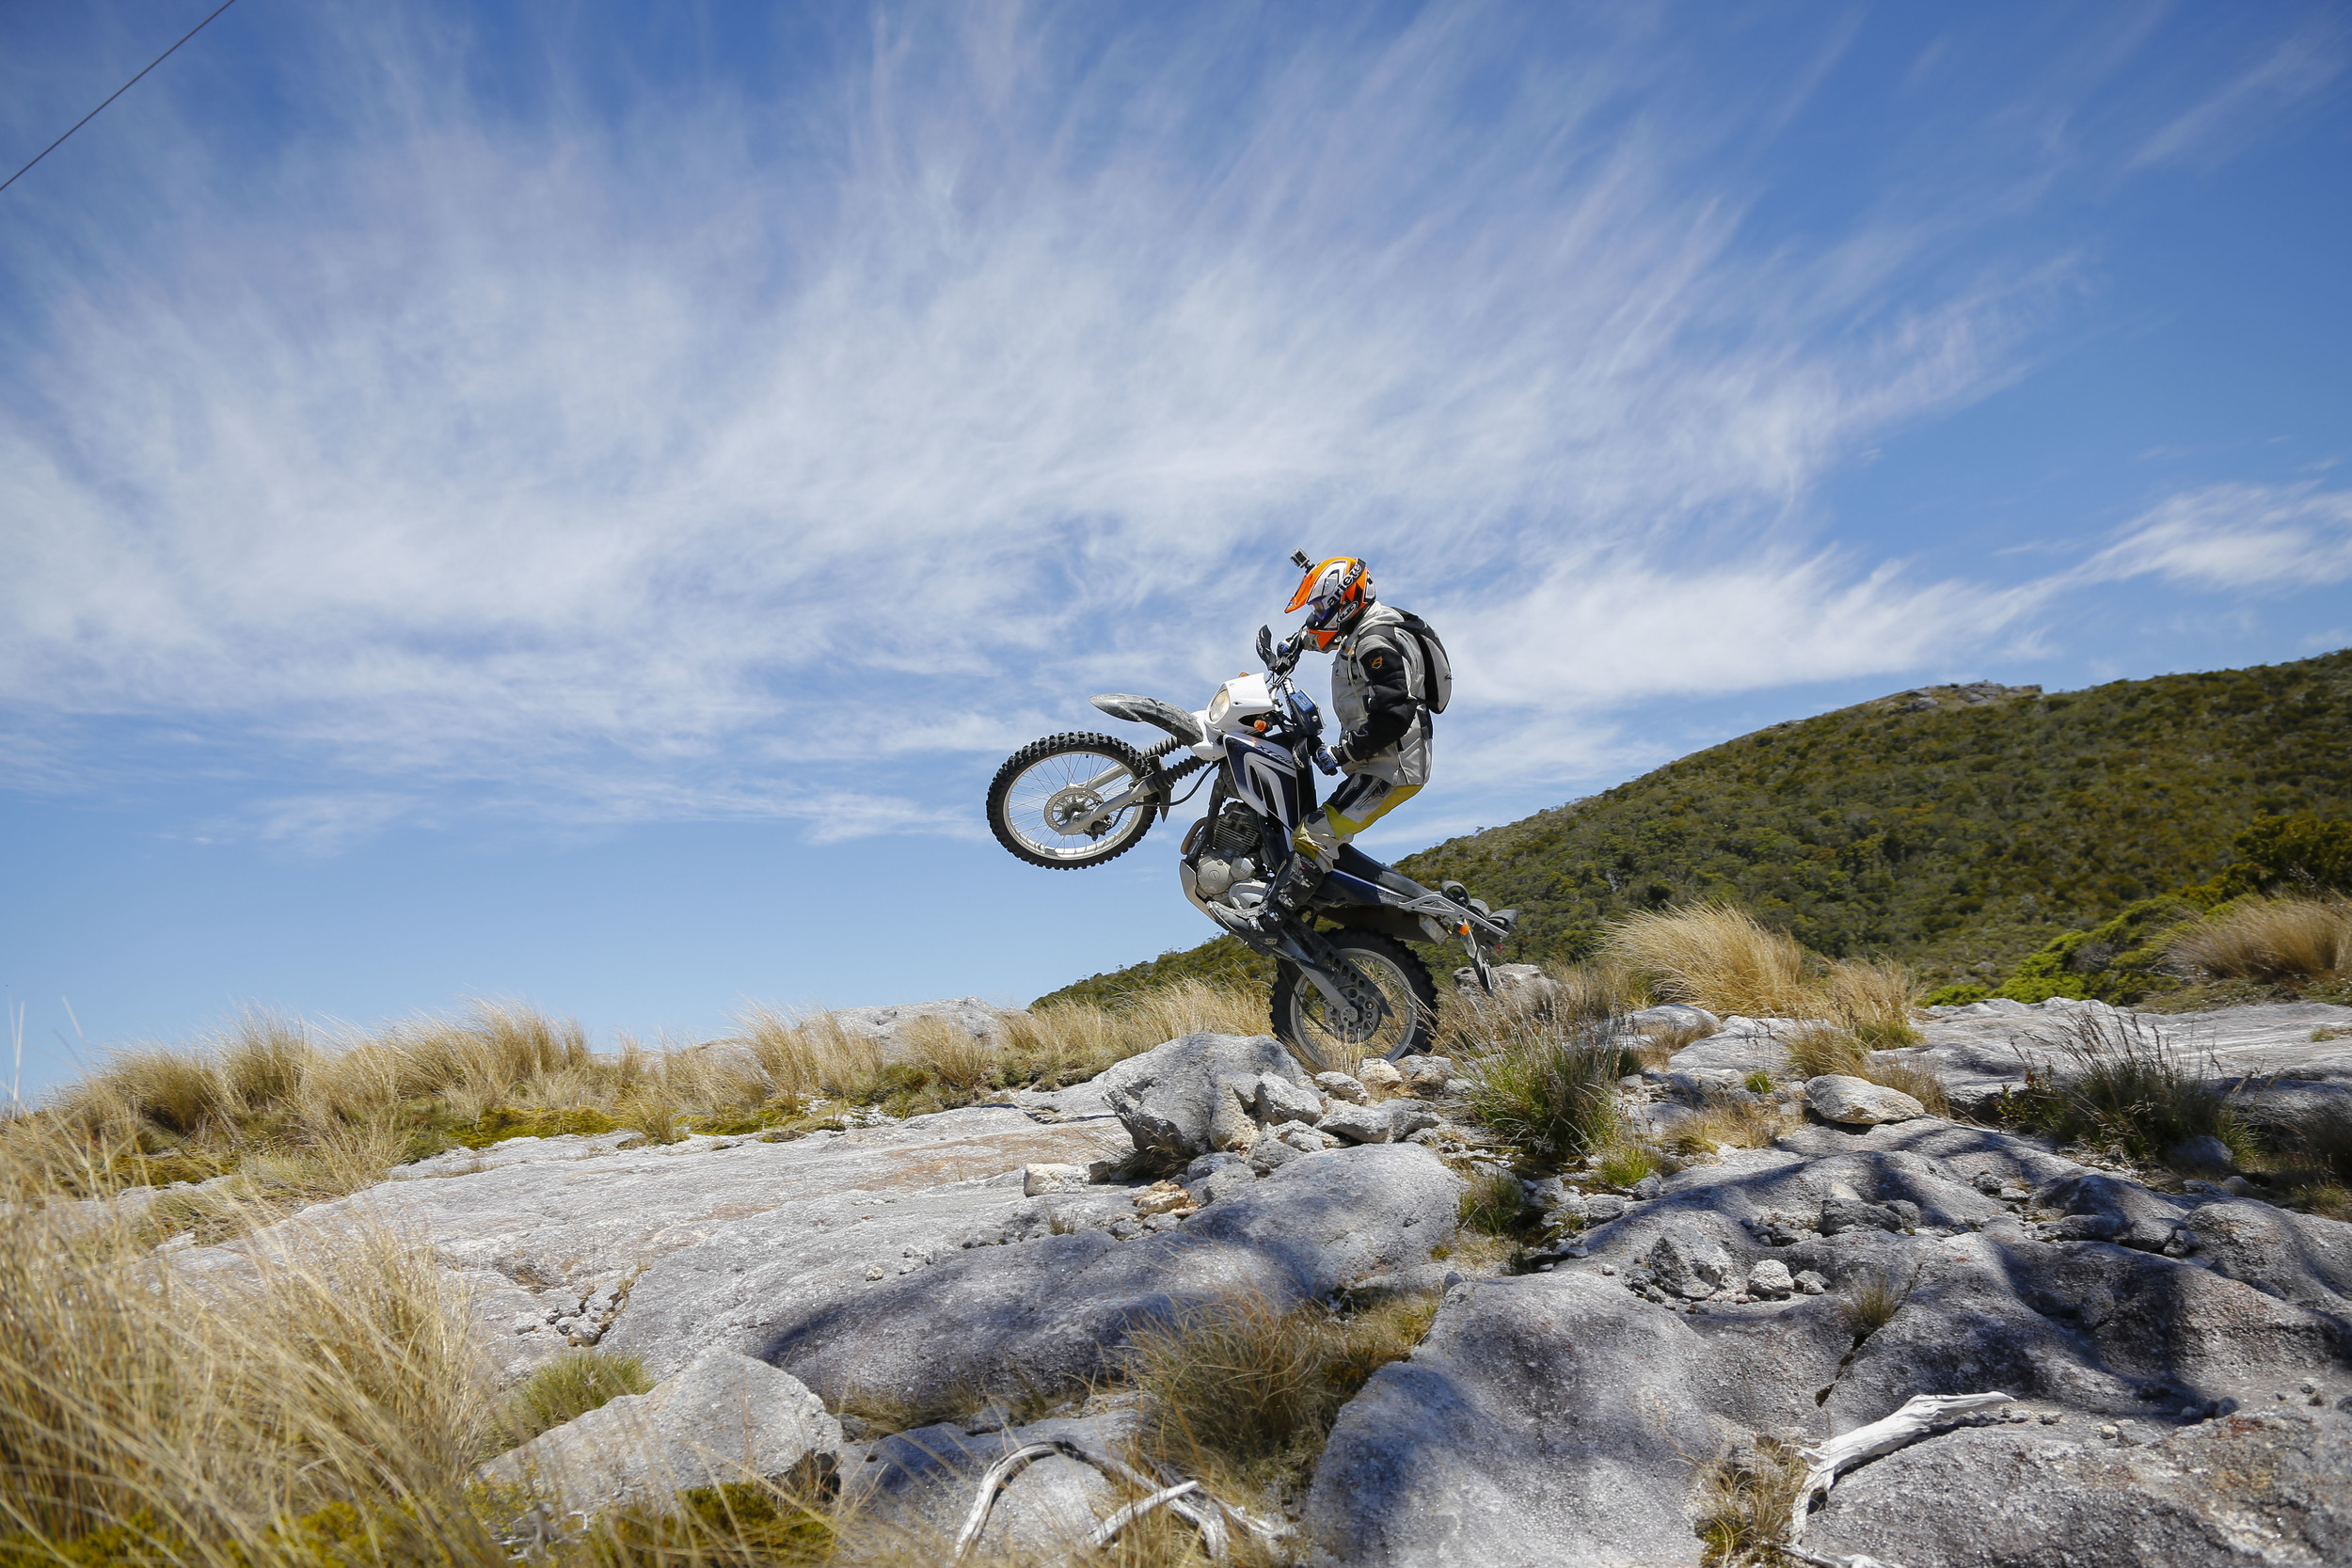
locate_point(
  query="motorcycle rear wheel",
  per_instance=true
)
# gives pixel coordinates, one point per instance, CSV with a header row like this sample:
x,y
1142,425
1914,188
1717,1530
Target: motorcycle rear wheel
x,y
1043,788
1302,1016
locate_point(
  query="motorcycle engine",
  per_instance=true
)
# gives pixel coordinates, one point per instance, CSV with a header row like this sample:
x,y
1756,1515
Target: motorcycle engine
x,y
1224,861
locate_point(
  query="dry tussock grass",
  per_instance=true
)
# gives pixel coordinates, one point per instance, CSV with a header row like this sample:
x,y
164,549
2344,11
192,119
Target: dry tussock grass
x,y
1724,960
2281,940
1827,1049
299,1114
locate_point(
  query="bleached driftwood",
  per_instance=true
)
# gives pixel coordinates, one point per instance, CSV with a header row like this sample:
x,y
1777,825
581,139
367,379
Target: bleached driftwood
x,y
1178,1499
1108,1531
1920,1415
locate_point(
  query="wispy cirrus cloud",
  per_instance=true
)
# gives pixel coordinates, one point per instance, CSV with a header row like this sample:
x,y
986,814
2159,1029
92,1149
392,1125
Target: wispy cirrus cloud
x,y
677,457
2240,537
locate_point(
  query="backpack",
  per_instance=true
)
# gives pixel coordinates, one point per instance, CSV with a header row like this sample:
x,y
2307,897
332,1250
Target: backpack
x,y
1432,660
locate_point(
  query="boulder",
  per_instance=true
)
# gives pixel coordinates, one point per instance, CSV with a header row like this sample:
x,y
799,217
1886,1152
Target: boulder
x,y
1770,1279
1426,1075
1554,1418
1339,1085
2206,1154
1197,1093
1674,1016
1686,1263
1379,1077
726,1419
1391,1121
1857,1102
1279,1100
917,1486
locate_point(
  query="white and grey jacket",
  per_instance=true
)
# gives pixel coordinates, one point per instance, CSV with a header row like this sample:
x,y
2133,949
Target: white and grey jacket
x,y
1380,695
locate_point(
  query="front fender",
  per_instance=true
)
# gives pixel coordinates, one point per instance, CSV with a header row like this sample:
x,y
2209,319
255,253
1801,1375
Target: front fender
x,y
1151,710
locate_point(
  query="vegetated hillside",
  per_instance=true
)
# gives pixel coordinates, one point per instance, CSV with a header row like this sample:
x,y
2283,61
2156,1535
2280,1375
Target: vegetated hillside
x,y
1958,829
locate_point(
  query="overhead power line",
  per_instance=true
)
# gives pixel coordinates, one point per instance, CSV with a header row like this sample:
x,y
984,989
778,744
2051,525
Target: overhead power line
x,y
112,96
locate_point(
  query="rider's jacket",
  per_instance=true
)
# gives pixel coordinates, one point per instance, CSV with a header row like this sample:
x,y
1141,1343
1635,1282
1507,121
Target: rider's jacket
x,y
1379,688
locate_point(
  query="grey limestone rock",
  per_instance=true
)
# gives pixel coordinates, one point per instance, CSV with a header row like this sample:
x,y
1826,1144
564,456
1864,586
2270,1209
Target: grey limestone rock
x,y
918,1485
1770,1279
2206,1154
1552,1419
1385,1122
1687,1263
1039,1180
1042,1310
724,1419
1426,1075
1675,1014
1197,1093
1279,1100
1857,1102
1339,1085
2268,1489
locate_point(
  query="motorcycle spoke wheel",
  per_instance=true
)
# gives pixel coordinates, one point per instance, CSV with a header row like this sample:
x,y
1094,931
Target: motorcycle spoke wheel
x,y
1303,1018
1041,801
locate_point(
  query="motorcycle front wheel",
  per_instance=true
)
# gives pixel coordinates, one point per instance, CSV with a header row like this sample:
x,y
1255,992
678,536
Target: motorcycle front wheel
x,y
1303,1018
1042,805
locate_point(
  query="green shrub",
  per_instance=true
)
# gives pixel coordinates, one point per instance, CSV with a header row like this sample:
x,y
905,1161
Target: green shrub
x,y
2116,962
1955,996
2302,853
1624,1164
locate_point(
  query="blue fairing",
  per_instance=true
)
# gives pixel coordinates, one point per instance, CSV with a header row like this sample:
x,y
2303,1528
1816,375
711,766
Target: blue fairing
x,y
1355,876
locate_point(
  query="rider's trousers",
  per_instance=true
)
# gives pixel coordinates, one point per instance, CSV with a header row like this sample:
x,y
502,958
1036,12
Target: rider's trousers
x,y
1360,801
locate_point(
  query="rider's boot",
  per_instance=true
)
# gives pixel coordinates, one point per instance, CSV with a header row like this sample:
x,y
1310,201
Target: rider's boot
x,y
1294,888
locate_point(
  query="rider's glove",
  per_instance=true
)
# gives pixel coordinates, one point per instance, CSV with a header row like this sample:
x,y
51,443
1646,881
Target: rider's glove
x,y
1323,760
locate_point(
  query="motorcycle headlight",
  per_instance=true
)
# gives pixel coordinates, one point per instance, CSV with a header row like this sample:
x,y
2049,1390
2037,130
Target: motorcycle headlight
x,y
1219,704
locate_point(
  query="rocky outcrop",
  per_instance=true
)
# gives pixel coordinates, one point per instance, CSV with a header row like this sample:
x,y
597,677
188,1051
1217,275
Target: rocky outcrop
x,y
1857,1102
1567,1417
722,1420
1203,1092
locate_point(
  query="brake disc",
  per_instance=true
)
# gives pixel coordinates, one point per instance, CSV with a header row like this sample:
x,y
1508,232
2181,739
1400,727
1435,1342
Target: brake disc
x,y
1072,809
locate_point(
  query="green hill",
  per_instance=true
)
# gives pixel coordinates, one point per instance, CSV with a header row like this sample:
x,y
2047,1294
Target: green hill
x,y
1958,829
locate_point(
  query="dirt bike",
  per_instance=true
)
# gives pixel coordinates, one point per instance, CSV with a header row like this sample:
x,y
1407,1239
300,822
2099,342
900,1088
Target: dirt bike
x,y
1073,800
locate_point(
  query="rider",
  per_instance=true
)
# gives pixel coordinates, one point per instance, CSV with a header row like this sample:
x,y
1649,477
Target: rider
x,y
1380,694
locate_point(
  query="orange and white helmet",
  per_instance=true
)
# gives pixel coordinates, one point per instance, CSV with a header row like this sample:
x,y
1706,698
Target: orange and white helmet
x,y
1333,593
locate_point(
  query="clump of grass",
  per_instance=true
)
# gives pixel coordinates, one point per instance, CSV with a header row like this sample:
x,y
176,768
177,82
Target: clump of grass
x,y
1622,1164
326,1392
1873,1305
1716,957
1732,1123
2117,1085
567,1388
1553,1091
1491,1200
1747,1500
1242,1393
1759,1082
2290,941
1873,999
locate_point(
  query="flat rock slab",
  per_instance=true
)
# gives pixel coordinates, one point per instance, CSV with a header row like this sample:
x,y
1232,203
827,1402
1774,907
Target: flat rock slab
x,y
725,1419
1016,1302
890,1025
2253,1488
1568,1417
1977,1056
517,1231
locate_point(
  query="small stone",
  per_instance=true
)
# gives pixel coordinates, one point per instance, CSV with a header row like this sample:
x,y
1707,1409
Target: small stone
x,y
2207,1153
1839,1214
1339,1085
1426,1074
1811,1283
1162,1197
2307,1386
2108,1430
2051,1418
873,1271
1648,1187
1603,1206
1270,1154
1039,1180
585,1333
1379,1077
2237,1186
1686,1262
1770,1279
1858,1103
1163,1222
525,1322
1608,1268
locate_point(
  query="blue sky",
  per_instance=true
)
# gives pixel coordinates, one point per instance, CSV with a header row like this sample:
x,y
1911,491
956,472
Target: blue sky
x,y
572,502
